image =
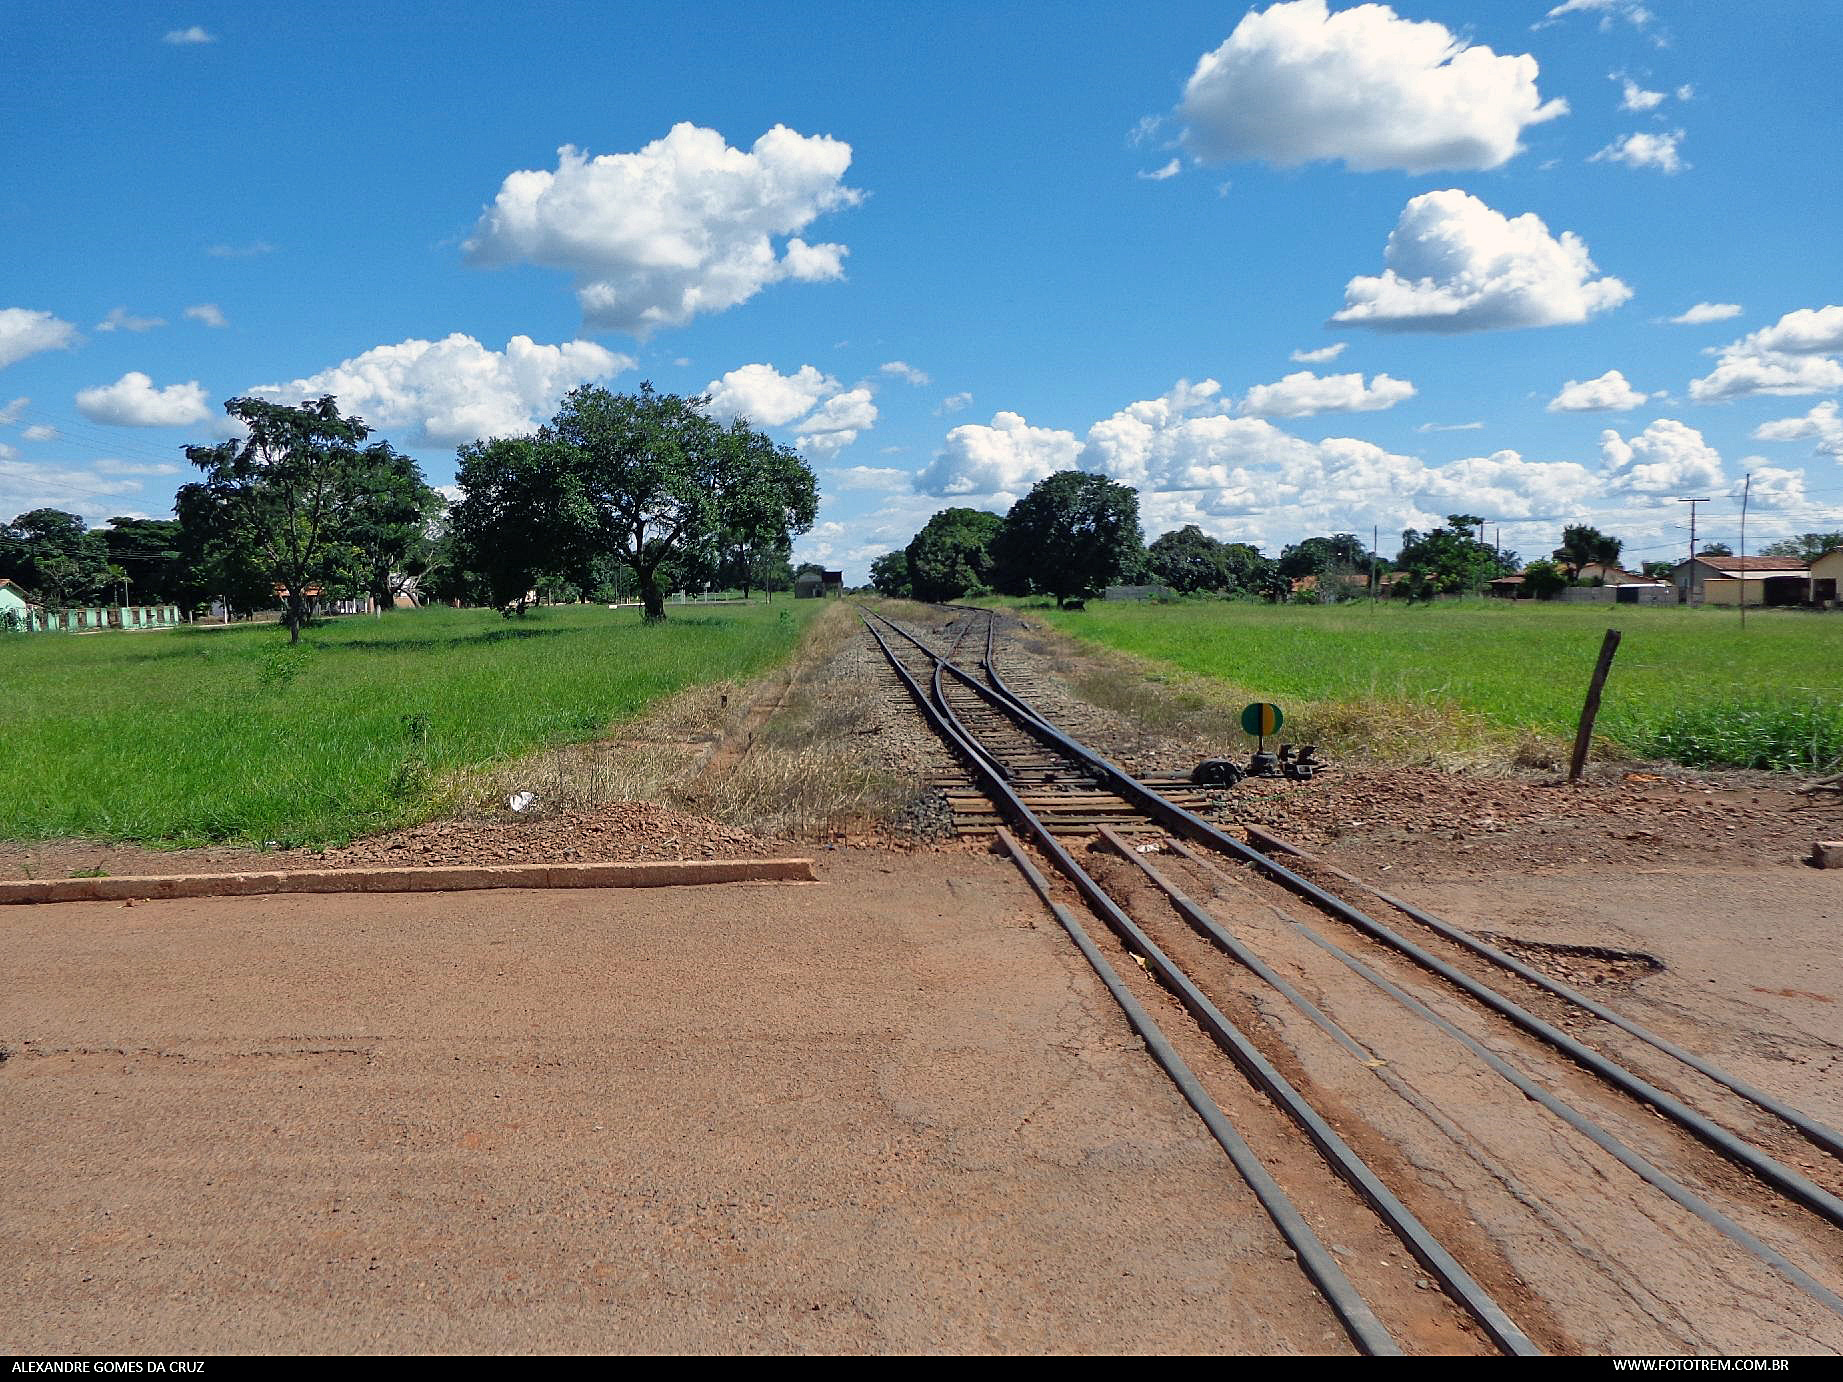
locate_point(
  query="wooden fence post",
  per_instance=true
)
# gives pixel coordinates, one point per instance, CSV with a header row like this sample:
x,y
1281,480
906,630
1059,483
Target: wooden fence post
x,y
1584,735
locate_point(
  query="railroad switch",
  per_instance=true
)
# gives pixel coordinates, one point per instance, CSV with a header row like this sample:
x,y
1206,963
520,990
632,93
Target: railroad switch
x,y
1302,766
1216,772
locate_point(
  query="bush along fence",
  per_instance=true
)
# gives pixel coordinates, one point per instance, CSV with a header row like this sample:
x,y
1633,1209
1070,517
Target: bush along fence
x,y
86,618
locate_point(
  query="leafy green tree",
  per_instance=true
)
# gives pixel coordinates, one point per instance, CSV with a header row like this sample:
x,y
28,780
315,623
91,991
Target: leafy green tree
x,y
1807,547
215,556
390,518
521,513
1189,560
1658,570
660,480
1320,556
1073,535
1584,545
1544,580
53,554
952,555
148,552
288,491
766,497
889,575
1451,560
1716,549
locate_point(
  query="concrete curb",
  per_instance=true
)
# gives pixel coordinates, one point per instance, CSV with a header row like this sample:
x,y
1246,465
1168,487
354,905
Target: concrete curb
x,y
675,873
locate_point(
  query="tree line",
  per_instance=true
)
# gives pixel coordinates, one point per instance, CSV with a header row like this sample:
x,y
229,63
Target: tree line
x,y
1075,534
305,507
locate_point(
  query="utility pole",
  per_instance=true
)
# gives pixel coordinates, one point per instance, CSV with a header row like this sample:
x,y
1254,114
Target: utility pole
x,y
1375,537
1689,575
1746,490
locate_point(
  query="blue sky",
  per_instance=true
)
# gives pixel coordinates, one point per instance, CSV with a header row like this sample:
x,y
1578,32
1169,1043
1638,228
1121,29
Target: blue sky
x,y
949,250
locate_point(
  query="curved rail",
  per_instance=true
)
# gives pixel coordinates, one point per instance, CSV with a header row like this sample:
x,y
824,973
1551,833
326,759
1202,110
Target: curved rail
x,y
1181,821
1338,1154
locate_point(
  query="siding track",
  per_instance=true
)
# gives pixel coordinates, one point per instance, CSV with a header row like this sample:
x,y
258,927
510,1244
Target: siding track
x,y
1695,1140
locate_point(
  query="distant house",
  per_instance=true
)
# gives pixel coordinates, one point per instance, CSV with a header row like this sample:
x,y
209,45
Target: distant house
x,y
16,609
809,585
1508,587
1826,577
834,583
1607,573
1716,580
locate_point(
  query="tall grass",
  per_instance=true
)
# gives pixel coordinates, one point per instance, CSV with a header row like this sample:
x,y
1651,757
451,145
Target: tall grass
x,y
1688,685
205,735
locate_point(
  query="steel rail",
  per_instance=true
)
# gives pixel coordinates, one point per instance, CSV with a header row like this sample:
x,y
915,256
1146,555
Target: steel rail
x,y
1530,1088
1360,1321
1341,1158
1181,821
1820,1133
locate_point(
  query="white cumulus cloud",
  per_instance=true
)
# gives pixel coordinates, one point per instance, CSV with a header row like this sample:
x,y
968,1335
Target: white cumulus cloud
x,y
26,332
133,401
902,369
1609,393
207,313
1296,83
1636,97
1821,424
121,319
765,396
1303,393
1454,264
1773,487
1667,457
1007,455
1163,172
1792,356
825,416
456,390
1704,312
1324,355
193,34
684,226
1645,150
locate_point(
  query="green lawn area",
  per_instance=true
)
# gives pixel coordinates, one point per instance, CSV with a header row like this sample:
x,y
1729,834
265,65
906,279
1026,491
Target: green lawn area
x,y
1688,685
207,734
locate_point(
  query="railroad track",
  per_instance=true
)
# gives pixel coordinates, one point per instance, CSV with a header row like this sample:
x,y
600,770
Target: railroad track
x,y
1690,1154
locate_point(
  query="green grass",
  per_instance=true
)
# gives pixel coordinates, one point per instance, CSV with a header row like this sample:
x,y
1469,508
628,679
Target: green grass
x,y
1688,685
205,735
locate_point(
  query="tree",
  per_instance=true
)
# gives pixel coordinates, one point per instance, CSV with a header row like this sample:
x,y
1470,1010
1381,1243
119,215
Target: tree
x,y
952,555
1189,560
1073,535
1341,553
54,555
1451,560
1716,549
889,575
1807,547
766,497
660,480
1658,570
521,513
1544,580
148,552
389,520
217,561
1585,545
287,493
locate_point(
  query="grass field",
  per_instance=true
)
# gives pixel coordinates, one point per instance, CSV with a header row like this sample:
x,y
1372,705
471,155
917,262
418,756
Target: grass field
x,y
1688,685
204,734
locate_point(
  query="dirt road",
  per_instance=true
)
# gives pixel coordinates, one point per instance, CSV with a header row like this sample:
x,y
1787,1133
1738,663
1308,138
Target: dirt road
x,y
886,1112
